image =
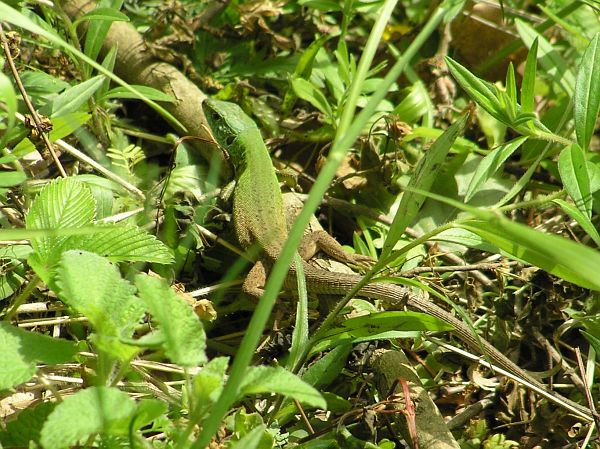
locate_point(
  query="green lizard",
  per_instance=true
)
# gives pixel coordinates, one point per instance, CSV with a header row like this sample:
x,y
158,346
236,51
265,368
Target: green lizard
x,y
259,220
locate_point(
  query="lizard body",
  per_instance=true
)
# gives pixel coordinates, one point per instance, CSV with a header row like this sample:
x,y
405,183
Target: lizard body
x,y
259,220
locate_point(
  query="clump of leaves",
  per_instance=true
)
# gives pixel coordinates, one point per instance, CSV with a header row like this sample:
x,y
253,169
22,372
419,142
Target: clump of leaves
x,y
81,270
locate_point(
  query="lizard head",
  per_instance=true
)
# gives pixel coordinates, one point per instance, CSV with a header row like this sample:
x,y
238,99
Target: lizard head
x,y
226,121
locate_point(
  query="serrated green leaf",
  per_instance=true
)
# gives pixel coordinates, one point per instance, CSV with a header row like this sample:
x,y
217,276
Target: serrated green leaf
x,y
123,243
102,410
490,165
68,203
20,350
185,340
149,92
63,203
587,93
583,220
103,190
268,379
574,175
106,299
28,234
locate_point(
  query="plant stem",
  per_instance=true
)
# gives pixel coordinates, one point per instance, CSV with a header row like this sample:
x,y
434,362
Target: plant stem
x,y
551,137
533,203
26,293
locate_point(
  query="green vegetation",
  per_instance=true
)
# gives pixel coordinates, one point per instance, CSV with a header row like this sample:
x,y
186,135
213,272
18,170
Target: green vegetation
x,y
455,145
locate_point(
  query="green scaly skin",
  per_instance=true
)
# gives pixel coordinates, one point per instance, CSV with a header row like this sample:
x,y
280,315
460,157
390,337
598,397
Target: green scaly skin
x,y
256,181
259,220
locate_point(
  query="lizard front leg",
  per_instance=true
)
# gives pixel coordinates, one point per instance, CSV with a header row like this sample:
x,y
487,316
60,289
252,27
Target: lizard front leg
x,y
255,280
312,243
316,239
321,240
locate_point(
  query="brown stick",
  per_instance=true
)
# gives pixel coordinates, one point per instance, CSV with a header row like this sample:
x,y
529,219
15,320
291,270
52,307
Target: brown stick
x,y
136,65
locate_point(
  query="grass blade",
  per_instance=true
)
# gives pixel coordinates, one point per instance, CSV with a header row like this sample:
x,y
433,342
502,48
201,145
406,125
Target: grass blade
x,y
574,175
528,83
490,165
583,221
550,59
587,93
